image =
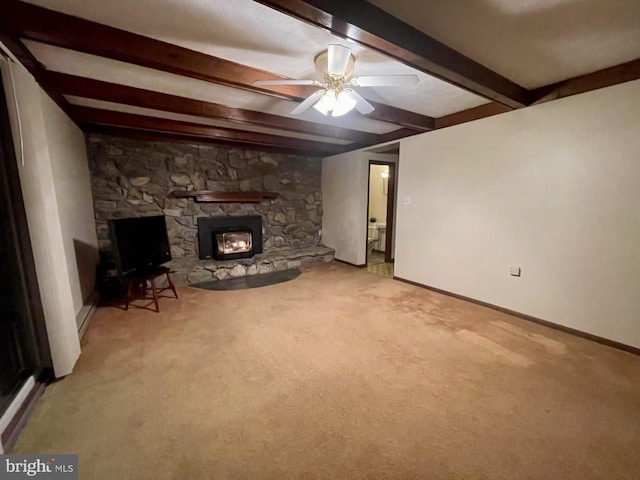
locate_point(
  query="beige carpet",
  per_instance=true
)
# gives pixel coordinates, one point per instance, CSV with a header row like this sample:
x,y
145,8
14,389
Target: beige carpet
x,y
339,374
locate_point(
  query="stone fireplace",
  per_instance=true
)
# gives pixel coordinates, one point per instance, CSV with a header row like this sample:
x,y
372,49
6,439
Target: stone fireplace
x,y
133,178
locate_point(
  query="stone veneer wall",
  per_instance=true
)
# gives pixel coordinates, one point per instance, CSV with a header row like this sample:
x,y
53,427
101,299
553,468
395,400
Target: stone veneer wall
x,y
132,178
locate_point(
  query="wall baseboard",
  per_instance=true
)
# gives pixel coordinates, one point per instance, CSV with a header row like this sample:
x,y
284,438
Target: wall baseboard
x,y
86,313
364,265
524,316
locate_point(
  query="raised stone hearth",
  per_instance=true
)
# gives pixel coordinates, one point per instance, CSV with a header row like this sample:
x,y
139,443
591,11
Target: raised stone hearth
x,y
191,270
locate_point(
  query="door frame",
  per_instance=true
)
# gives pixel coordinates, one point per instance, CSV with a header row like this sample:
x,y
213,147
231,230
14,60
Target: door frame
x,y
391,194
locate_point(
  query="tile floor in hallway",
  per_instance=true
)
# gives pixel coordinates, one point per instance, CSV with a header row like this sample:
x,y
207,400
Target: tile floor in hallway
x,y
377,265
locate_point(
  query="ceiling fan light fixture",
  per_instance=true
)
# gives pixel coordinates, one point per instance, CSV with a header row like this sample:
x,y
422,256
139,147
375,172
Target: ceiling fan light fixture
x,y
335,103
336,97
344,104
326,103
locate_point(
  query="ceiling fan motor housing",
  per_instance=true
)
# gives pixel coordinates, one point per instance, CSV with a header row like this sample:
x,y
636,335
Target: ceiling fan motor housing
x,y
321,62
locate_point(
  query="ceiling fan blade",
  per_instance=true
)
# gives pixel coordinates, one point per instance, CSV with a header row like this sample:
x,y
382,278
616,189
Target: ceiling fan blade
x,y
385,81
308,102
362,105
285,82
337,60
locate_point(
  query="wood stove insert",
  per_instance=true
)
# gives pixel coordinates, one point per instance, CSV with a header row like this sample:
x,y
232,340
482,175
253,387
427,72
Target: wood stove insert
x,y
228,238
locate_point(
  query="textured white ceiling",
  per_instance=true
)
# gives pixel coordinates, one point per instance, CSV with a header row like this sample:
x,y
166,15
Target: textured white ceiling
x,y
246,32
532,42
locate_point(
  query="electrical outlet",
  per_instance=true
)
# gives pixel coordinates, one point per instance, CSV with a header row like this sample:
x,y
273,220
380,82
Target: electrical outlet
x,y
406,200
514,271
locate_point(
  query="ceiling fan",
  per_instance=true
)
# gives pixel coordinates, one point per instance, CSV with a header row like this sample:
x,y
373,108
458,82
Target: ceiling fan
x,y
337,95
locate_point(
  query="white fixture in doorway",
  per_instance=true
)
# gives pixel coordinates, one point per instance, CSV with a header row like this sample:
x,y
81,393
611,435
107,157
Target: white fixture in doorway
x,y
385,182
372,237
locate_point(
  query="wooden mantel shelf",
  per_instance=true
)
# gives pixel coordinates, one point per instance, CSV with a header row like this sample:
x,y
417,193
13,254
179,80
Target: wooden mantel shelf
x,y
225,197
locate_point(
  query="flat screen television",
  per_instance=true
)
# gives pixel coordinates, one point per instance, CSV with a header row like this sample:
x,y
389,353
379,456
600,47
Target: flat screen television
x,y
139,244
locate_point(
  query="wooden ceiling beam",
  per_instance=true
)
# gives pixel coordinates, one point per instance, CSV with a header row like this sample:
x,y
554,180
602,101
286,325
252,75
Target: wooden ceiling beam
x,y
606,77
372,27
475,113
62,30
468,115
96,116
153,136
397,135
110,92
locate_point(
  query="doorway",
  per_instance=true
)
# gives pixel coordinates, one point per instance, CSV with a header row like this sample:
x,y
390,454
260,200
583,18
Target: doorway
x,y
380,217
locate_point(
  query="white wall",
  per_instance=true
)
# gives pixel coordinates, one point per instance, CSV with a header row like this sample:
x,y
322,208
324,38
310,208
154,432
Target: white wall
x,y
57,208
345,185
71,177
553,188
345,182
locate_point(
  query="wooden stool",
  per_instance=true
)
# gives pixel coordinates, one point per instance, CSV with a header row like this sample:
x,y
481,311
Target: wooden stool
x,y
138,284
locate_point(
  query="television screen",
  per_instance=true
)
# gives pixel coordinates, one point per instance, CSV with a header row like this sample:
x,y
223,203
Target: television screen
x,y
140,243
